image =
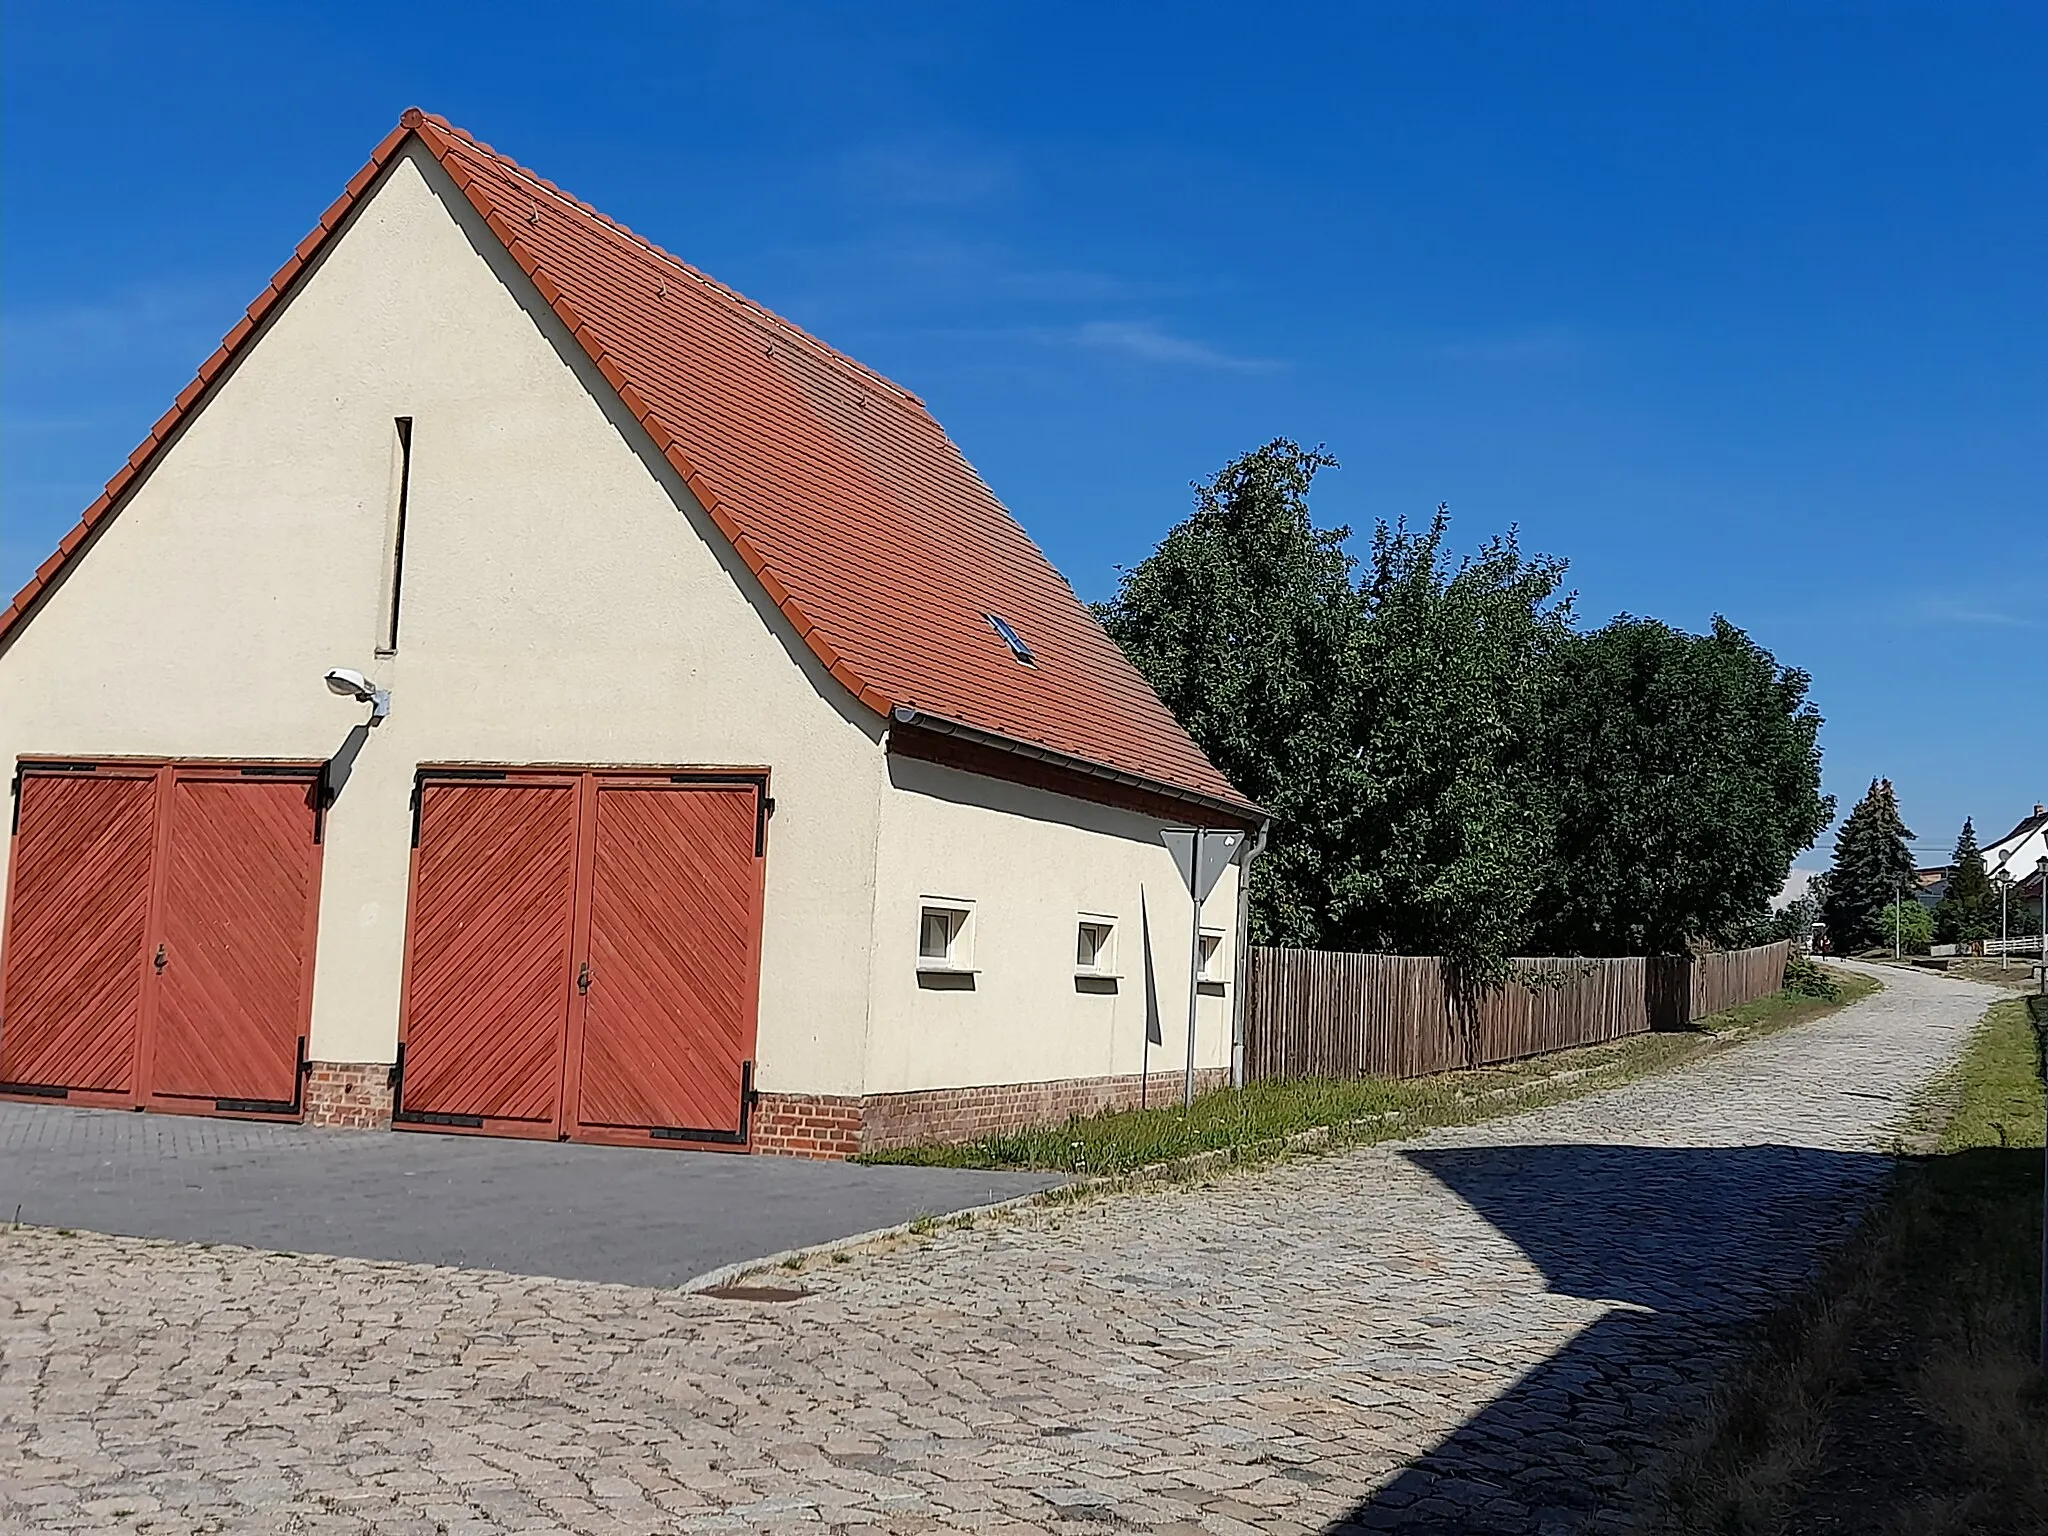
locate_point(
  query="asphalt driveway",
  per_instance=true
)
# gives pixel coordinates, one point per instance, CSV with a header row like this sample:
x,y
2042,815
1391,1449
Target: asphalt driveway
x,y
654,1218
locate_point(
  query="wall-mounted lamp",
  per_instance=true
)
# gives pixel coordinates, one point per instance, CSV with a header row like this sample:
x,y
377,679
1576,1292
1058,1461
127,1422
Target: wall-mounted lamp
x,y
351,684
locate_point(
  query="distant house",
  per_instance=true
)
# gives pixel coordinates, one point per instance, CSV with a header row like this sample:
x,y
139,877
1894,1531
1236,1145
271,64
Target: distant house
x,y
750,779
1931,884
2019,851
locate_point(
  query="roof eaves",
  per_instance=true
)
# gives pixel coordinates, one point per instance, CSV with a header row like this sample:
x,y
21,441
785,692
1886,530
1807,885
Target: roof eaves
x,y
1237,810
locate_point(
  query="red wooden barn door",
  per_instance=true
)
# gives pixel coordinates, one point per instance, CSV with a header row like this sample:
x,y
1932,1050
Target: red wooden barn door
x,y
583,955
488,960
234,946
78,913
667,1010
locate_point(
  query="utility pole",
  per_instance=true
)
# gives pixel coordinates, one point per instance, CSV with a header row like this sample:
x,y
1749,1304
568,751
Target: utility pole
x,y
2004,884
2041,885
1898,918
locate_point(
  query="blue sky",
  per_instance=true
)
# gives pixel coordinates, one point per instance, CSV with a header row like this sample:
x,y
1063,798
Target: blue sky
x,y
1739,309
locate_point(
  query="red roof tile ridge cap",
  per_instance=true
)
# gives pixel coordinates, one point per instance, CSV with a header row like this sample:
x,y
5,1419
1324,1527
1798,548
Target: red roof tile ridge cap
x,y
750,309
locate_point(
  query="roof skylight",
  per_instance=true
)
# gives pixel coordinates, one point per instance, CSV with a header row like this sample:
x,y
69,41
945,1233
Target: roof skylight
x,y
1011,638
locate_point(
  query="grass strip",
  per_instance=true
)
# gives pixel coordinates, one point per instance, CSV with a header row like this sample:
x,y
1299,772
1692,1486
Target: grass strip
x,y
1232,1126
1901,1394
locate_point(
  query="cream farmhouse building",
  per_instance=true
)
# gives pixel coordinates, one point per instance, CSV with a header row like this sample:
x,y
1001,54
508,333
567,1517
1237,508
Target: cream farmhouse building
x,y
521,687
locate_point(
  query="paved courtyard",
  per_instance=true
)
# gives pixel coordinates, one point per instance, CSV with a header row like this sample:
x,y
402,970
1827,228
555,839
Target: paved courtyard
x,y
1480,1330
650,1216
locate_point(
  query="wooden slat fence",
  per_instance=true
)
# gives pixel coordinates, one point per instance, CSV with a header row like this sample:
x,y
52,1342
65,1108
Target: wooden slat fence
x,y
1322,1013
1732,977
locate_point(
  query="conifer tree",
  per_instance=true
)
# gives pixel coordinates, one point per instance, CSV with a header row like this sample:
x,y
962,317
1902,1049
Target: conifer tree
x,y
1968,910
1873,866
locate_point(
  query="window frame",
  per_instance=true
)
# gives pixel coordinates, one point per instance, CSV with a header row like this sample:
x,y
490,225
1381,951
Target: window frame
x,y
959,957
1105,967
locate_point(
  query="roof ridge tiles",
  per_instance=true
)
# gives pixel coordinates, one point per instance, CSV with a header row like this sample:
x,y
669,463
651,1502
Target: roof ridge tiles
x,y
765,317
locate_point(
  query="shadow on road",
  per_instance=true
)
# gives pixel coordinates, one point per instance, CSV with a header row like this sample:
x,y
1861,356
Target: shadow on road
x,y
1691,1245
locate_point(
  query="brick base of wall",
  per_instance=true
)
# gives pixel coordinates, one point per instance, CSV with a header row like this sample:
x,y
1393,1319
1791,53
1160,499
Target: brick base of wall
x,y
353,1095
807,1125
357,1096
968,1114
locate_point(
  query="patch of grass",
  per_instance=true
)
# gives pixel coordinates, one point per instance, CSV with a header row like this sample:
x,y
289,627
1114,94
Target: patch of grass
x,y
1783,1009
1257,1121
1902,1393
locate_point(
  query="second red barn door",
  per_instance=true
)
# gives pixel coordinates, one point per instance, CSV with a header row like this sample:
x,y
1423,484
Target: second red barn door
x,y
583,956
668,1016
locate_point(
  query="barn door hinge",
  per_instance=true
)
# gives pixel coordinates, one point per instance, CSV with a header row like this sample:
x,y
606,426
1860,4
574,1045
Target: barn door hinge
x,y
748,1099
36,1090
293,1106
428,776
26,766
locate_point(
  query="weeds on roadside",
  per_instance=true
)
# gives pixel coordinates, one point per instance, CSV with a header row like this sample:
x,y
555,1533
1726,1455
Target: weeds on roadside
x,y
1902,1393
1256,1121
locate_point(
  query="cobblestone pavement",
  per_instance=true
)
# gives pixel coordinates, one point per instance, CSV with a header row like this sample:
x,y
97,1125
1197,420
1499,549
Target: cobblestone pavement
x,y
1478,1330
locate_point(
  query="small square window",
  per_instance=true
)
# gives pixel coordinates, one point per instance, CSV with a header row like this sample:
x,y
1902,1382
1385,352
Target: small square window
x,y
1212,946
1095,946
943,937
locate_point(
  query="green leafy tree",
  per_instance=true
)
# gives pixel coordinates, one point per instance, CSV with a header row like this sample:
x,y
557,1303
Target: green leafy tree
x,y
1452,768
1446,819
1910,923
1245,620
1968,909
1872,866
1685,771
1386,717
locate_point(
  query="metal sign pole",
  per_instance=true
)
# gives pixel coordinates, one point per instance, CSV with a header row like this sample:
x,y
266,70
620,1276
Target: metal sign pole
x,y
1201,857
1187,1092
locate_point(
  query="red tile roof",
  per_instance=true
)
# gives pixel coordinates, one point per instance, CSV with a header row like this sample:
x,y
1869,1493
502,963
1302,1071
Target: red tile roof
x,y
859,516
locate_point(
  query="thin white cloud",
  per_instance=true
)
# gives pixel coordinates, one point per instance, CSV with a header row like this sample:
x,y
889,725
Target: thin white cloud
x,y
1946,608
1542,347
924,176
1795,887
1149,343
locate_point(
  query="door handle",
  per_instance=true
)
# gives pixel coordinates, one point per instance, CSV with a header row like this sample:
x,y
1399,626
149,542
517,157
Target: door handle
x,y
162,959
583,978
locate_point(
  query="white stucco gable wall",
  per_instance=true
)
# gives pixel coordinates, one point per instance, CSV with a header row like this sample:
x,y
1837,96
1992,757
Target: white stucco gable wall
x,y
564,601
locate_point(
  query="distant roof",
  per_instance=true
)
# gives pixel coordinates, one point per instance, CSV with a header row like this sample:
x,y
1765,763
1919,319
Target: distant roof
x,y
859,516
2027,827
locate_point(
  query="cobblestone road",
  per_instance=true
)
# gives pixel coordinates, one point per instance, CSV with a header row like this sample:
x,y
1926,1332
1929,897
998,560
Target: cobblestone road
x,y
1477,1330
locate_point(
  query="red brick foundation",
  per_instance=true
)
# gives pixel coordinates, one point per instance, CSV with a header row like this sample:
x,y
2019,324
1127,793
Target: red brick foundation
x,y
351,1094
807,1125
357,1096
968,1114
